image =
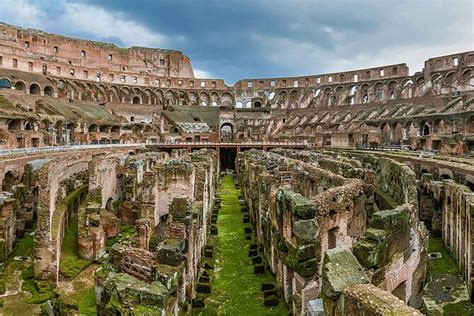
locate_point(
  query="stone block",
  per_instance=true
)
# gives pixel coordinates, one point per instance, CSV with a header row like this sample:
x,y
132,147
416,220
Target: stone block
x,y
170,251
340,269
390,220
180,208
198,303
270,293
207,266
259,269
203,288
129,290
315,308
256,260
306,230
268,286
299,206
271,301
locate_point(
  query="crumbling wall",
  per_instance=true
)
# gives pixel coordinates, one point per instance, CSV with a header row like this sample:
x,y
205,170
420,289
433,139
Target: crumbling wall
x,y
346,289
299,212
449,205
54,208
173,198
347,196
174,177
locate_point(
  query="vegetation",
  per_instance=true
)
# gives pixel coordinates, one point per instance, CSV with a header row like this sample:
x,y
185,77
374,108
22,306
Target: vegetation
x,y
443,272
126,233
235,289
71,264
446,263
82,299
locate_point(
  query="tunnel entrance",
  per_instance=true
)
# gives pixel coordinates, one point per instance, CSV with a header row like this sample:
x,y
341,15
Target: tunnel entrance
x,y
227,158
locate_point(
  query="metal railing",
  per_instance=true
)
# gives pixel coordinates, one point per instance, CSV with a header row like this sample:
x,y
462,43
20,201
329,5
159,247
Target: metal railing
x,y
48,149
251,143
37,150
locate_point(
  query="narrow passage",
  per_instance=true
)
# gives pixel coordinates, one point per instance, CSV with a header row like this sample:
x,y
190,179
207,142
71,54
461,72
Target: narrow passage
x,y
236,290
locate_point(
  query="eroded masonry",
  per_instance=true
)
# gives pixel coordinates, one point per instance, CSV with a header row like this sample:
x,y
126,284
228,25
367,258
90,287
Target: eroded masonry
x,y
130,187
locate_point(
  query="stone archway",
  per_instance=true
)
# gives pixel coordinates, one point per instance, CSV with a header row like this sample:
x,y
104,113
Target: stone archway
x,y
227,132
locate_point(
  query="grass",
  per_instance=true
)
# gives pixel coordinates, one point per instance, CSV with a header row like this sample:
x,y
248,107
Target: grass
x,y
71,264
446,263
24,246
126,233
82,299
86,302
444,272
235,289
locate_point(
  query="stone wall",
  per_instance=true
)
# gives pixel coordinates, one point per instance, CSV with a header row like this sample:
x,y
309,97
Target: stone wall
x,y
299,212
367,204
56,205
167,249
447,206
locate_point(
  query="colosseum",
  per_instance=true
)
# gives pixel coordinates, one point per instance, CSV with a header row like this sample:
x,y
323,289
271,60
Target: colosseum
x,y
130,187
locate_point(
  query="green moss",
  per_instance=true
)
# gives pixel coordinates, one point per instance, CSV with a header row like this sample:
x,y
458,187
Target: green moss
x,y
443,272
65,204
446,263
24,246
291,258
29,273
29,286
235,289
86,302
460,308
82,300
70,263
127,232
41,291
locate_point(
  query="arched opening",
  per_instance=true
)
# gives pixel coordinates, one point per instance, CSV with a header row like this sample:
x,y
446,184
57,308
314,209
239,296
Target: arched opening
x,y
93,128
108,205
35,89
148,129
470,185
136,100
115,129
5,84
8,181
227,133
227,158
365,98
400,291
425,130
105,129
257,104
445,176
332,237
20,86
48,91
470,125
14,125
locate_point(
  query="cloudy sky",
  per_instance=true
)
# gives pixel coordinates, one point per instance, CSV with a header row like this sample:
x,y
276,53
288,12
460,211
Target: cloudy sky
x,y
235,39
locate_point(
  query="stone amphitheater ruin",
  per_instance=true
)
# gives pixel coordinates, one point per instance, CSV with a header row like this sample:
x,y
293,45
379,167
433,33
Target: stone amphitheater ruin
x,y
130,187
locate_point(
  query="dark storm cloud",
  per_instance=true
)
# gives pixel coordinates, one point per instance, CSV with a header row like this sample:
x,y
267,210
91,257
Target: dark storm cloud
x,y
244,39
